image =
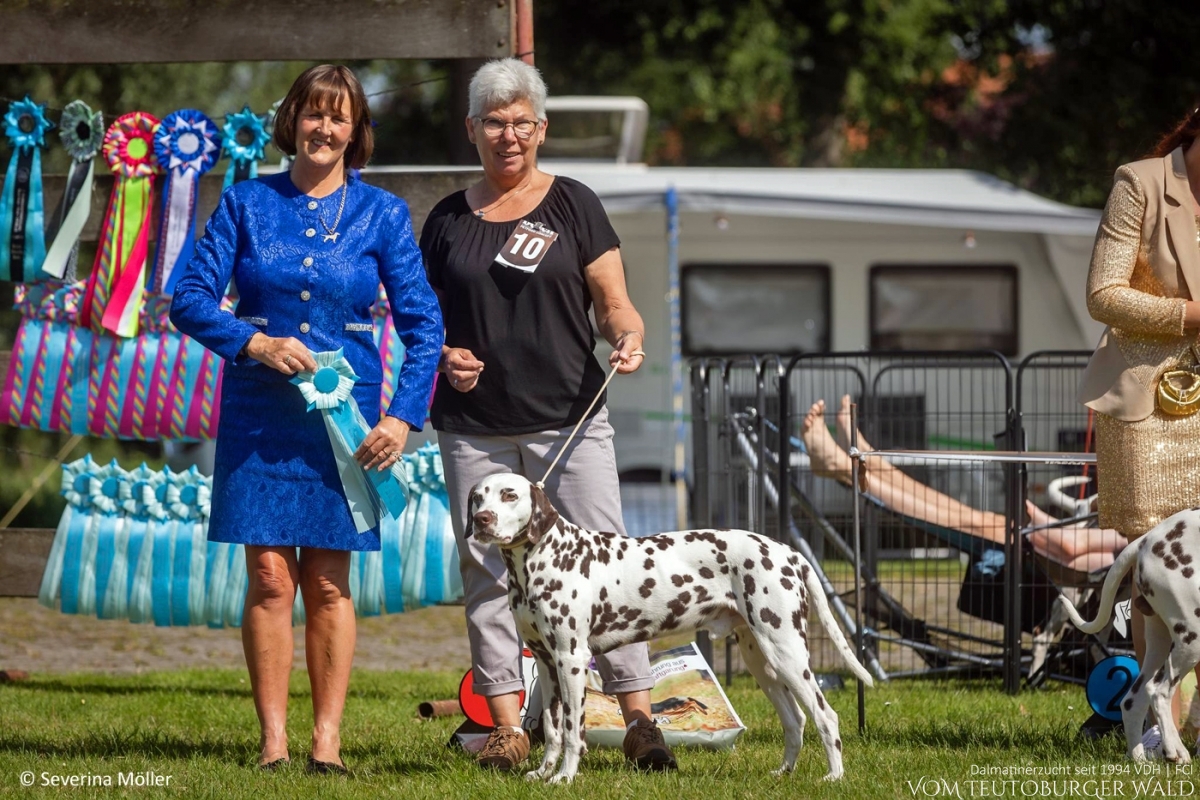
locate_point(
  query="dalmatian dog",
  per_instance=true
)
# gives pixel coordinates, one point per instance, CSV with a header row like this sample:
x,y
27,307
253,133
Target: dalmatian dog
x,y
1165,561
576,592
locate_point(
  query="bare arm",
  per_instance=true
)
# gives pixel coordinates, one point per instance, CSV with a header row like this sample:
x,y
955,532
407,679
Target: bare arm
x,y
619,322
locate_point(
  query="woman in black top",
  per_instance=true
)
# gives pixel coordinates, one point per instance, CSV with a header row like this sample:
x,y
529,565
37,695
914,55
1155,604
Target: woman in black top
x,y
517,261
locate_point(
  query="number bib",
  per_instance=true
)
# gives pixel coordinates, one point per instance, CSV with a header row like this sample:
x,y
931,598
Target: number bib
x,y
528,245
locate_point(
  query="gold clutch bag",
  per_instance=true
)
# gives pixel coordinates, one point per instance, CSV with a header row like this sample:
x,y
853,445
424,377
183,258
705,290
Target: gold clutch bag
x,y
1179,390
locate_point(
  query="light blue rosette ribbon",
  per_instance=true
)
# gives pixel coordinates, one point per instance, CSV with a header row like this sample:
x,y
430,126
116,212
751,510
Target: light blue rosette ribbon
x,y
61,577
82,134
245,139
187,144
143,510
187,492
22,217
370,493
103,557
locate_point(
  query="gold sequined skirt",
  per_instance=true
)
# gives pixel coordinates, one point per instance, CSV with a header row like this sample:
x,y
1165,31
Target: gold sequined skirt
x,y
1146,470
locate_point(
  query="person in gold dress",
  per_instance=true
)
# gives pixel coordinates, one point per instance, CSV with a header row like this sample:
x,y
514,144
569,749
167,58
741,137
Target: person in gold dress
x,y
1142,284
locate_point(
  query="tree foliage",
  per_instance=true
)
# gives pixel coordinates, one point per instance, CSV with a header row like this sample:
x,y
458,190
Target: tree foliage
x,y
1051,94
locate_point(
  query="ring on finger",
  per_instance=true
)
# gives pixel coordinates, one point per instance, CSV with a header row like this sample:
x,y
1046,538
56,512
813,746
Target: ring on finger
x,y
287,360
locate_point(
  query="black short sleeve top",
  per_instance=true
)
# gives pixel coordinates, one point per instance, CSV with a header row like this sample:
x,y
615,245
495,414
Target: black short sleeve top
x,y
531,330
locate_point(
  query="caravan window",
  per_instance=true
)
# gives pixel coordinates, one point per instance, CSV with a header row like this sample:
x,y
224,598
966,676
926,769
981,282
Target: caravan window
x,y
944,308
754,308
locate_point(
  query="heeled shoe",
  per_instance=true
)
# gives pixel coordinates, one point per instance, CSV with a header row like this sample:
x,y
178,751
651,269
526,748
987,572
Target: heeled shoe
x,y
315,767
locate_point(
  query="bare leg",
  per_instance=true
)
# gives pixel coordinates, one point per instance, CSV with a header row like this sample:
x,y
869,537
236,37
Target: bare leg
x,y
329,639
891,487
635,705
1078,547
505,709
267,641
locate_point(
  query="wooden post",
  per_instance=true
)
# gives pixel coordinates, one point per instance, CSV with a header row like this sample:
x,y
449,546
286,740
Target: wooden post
x,y
152,31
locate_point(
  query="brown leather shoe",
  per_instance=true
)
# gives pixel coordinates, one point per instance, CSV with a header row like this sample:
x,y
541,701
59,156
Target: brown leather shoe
x,y
505,749
645,748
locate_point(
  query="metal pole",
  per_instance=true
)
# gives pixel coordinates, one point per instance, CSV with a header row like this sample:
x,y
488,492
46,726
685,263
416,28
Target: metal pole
x,y
680,465
859,650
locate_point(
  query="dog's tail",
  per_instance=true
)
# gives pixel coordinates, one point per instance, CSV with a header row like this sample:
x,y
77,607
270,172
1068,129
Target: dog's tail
x,y
817,593
1108,593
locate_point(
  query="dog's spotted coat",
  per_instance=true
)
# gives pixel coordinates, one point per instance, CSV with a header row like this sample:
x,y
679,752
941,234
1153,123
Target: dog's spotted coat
x,y
1164,564
576,592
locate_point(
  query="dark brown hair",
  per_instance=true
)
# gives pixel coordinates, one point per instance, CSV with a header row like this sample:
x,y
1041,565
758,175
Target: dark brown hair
x,y
1182,135
324,87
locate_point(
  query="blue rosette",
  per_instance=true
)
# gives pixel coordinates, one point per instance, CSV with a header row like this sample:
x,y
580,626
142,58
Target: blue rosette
x,y
187,144
101,539
142,509
61,576
370,493
245,139
186,493
22,216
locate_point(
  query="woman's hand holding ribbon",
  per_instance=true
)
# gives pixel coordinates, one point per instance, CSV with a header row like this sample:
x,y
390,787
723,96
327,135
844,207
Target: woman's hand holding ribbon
x,y
384,445
286,355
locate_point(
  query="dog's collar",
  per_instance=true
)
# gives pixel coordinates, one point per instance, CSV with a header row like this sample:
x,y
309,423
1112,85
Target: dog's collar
x,y
515,543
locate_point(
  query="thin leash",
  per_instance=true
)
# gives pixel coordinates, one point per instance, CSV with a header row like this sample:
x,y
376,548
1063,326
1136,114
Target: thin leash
x,y
542,483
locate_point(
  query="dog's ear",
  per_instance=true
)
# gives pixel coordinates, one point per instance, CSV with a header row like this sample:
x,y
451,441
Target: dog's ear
x,y
542,515
469,527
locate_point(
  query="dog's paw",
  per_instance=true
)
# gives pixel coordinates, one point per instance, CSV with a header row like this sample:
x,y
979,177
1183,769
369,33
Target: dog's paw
x,y
1179,757
562,778
533,775
834,776
786,769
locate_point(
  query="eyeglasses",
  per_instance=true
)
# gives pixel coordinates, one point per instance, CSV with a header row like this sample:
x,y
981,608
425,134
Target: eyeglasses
x,y
494,128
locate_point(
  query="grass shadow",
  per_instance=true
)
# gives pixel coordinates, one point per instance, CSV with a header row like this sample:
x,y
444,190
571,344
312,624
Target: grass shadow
x,y
122,689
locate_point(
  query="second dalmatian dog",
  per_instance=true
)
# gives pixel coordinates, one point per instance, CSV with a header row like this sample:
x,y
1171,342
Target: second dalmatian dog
x,y
1165,572
576,592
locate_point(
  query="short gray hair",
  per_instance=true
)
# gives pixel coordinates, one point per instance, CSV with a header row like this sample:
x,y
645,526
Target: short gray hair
x,y
503,82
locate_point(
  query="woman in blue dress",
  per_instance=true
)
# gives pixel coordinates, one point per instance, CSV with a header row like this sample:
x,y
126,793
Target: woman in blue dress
x,y
306,250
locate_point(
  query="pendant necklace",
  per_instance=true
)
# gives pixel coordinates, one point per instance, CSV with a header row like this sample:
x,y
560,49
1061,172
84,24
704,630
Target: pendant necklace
x,y
480,212
331,234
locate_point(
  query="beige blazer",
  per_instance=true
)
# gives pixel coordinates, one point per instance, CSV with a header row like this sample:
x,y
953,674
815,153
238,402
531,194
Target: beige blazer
x,y
1145,264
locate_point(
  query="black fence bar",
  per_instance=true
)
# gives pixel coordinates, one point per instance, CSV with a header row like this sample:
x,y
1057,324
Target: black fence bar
x,y
953,583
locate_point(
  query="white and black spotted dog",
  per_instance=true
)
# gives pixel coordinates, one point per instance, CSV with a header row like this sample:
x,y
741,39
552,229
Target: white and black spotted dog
x,y
576,592
1165,566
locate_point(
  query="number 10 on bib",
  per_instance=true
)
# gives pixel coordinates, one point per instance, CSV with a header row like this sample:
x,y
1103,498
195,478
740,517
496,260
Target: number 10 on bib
x,y
526,248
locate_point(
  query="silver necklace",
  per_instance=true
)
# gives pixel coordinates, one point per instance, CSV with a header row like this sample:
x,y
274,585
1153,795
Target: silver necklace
x,y
331,234
482,211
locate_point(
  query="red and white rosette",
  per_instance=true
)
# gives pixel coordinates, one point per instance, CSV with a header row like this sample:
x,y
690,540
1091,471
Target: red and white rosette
x,y
116,286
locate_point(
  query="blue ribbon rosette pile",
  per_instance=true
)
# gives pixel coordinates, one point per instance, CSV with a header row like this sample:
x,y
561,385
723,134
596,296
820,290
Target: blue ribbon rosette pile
x,y
134,545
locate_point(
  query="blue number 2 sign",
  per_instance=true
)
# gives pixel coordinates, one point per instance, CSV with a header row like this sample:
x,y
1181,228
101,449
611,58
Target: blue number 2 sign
x,y
1108,683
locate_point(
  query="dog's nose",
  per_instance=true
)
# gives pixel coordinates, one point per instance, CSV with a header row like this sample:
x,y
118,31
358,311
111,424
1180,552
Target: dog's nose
x,y
483,519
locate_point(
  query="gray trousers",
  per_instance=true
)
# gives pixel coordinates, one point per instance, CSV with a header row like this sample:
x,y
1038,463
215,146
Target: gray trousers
x,y
584,489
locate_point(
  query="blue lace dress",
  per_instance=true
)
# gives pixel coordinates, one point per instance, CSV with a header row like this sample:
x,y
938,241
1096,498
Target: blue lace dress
x,y
275,480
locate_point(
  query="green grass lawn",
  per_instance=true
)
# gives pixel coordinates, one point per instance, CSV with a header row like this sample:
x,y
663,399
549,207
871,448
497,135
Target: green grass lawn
x,y
198,727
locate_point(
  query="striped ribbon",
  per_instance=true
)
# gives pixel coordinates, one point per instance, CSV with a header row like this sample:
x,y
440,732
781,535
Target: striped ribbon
x,y
187,145
82,134
117,283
